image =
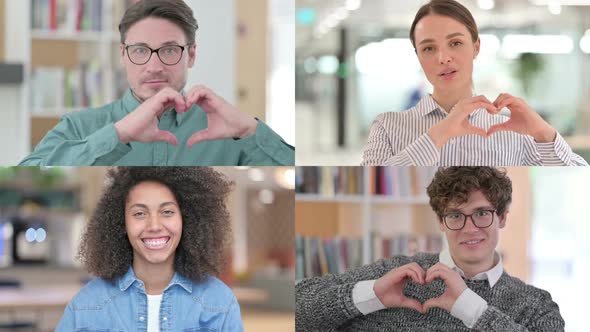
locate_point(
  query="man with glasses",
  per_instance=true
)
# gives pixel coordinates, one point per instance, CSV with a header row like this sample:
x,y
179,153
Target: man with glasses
x,y
464,287
157,122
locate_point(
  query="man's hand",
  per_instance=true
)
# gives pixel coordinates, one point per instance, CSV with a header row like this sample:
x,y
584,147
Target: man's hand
x,y
224,120
390,288
141,125
457,122
523,120
455,287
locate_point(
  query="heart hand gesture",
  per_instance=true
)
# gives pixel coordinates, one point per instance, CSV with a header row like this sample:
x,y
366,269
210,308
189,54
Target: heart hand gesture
x,y
141,125
223,119
455,286
457,122
390,288
523,120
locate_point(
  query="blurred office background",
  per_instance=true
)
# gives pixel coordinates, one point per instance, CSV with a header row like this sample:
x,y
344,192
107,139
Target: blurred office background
x,y
351,216
354,60
51,64
44,210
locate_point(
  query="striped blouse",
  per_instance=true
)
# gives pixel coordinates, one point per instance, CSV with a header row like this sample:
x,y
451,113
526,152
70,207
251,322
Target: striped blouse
x,y
401,139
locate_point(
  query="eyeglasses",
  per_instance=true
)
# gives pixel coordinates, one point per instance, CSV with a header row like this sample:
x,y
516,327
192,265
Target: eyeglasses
x,y
481,219
169,54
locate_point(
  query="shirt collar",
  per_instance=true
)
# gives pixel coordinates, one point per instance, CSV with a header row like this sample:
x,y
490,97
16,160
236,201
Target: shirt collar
x,y
129,279
492,275
130,103
427,105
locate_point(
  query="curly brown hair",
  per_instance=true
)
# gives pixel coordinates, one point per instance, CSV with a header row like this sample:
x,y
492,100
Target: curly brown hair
x,y
453,185
201,192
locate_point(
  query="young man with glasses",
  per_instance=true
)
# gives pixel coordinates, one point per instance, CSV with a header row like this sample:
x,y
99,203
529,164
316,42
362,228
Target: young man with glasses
x,y
157,122
464,287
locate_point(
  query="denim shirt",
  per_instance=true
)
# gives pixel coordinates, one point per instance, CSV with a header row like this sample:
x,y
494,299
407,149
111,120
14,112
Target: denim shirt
x,y
122,306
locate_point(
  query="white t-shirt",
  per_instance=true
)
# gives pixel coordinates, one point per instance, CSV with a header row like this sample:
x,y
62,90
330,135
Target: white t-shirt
x,y
153,316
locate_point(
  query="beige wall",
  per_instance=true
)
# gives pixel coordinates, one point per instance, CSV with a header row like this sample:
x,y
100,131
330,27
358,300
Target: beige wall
x,y
251,57
515,237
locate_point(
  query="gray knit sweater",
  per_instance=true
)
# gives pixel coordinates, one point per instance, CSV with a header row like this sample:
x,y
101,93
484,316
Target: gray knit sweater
x,y
325,304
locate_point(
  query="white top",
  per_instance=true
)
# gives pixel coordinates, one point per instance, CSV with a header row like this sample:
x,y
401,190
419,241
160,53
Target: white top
x,y
153,324
468,307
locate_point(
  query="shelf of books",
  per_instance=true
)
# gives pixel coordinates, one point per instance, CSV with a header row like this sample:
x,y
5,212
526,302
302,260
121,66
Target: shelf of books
x,y
346,217
73,58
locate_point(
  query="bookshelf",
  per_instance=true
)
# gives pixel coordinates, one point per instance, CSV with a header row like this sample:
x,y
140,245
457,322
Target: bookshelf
x,y
71,59
350,216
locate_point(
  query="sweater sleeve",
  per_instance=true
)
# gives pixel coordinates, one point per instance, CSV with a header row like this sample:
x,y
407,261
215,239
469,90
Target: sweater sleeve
x,y
544,317
325,303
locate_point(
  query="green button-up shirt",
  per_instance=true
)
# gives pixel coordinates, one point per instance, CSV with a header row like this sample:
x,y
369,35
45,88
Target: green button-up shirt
x,y
89,137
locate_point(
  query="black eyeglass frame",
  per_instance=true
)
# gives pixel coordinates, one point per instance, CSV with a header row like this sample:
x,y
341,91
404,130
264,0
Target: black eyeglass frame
x,y
182,47
465,216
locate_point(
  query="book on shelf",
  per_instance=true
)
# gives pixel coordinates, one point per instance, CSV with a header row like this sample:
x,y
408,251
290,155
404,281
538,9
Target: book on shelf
x,y
67,15
119,8
57,87
47,87
400,182
318,256
330,181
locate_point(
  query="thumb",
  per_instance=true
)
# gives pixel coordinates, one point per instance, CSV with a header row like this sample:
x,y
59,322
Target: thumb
x,y
432,303
166,136
496,128
199,136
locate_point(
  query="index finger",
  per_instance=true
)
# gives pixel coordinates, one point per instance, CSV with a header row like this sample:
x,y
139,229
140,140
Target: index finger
x,y
485,105
416,268
197,93
170,98
436,267
480,98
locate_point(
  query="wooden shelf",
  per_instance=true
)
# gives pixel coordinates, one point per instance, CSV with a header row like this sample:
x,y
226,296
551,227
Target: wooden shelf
x,y
380,199
78,36
361,215
359,199
329,199
82,36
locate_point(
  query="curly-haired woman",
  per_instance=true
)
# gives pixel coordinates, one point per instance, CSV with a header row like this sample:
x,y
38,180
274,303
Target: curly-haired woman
x,y
155,240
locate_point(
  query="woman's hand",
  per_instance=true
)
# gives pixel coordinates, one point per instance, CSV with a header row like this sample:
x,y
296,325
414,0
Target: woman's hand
x,y
457,122
523,120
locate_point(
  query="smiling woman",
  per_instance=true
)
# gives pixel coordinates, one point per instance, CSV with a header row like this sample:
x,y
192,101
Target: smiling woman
x,y
452,126
156,239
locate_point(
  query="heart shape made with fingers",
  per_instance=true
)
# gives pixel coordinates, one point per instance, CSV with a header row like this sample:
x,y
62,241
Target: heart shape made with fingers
x,y
453,282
